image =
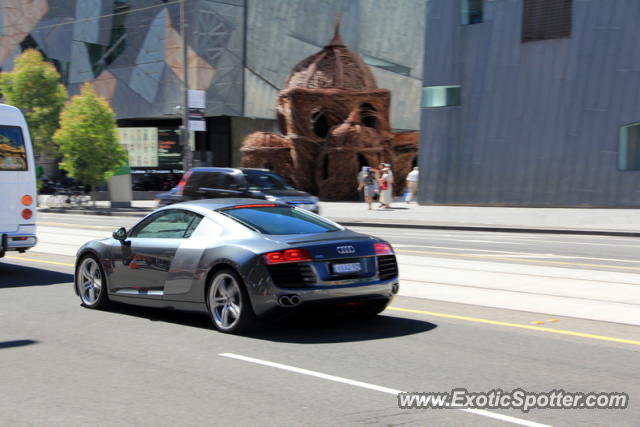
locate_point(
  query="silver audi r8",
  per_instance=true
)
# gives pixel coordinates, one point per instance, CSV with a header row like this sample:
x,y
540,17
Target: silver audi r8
x,y
237,260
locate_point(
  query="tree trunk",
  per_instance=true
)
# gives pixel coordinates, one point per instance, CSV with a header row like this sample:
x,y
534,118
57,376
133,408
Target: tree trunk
x,y
93,194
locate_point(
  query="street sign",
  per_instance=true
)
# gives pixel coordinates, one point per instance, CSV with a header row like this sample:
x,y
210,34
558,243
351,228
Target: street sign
x,y
197,125
196,120
197,99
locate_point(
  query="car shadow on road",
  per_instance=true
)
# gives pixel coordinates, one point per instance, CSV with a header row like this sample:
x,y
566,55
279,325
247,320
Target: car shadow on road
x,y
337,329
162,315
295,329
17,276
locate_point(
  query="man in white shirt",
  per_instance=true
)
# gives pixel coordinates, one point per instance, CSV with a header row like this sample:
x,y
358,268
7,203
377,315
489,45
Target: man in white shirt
x,y
412,183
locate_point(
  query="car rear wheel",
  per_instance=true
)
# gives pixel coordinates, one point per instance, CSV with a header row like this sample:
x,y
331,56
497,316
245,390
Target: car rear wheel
x,y
229,303
91,283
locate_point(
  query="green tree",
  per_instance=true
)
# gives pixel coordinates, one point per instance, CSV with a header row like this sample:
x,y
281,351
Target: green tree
x,y
88,139
34,87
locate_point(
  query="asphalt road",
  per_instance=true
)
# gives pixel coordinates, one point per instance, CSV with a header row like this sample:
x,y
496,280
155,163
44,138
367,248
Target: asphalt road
x,y
587,277
62,364
598,250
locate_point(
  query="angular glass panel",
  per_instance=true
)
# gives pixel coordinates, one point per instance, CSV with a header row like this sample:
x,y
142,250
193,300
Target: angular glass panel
x,y
629,148
440,96
386,65
471,11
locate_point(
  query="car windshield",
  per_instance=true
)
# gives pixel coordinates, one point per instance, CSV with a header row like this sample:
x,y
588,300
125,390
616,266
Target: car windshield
x,y
280,220
266,181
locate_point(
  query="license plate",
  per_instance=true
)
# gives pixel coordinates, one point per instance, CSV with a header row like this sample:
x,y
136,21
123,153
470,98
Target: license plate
x,y
352,267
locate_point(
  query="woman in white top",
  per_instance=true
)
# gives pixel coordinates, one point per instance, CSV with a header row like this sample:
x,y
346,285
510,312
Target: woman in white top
x,y
385,189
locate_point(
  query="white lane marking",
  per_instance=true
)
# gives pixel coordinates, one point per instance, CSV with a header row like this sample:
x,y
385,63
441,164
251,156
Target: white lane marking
x,y
599,259
475,267
438,236
512,254
90,218
554,305
369,386
523,255
71,225
533,242
486,241
401,245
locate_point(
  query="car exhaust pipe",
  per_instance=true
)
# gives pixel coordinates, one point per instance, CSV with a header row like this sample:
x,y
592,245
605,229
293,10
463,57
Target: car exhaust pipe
x,y
289,300
395,288
284,300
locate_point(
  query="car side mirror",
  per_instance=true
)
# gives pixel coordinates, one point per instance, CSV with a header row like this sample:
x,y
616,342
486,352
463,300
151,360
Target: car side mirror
x,y
120,234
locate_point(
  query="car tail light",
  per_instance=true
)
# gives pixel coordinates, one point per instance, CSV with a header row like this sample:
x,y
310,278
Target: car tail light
x,y
383,248
183,182
288,255
26,200
27,213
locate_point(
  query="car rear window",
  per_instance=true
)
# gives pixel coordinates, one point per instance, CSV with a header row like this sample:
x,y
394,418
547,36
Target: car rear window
x,y
280,220
13,156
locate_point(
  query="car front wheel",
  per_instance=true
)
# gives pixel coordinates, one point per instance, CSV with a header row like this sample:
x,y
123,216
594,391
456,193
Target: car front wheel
x,y
91,283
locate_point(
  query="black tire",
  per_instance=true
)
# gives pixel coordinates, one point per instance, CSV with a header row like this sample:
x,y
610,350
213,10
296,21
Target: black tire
x,y
83,283
244,317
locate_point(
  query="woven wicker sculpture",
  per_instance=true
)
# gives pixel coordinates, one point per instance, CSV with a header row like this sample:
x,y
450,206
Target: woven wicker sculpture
x,y
333,120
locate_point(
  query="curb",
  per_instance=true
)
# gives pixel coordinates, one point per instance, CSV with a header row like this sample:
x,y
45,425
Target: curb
x,y
491,229
351,223
139,214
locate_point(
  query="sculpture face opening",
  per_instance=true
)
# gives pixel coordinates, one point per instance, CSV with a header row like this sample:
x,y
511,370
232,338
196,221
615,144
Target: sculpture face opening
x,y
334,120
368,116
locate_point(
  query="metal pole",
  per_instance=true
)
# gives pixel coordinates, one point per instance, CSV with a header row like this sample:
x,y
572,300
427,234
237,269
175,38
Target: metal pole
x,y
187,159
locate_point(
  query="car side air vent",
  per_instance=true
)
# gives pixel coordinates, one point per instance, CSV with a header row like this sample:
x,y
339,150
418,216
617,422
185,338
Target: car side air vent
x,y
387,267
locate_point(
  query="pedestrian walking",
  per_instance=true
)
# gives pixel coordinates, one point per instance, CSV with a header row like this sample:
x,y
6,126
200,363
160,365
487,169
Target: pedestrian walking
x,y
412,183
367,185
391,178
386,189
360,177
390,171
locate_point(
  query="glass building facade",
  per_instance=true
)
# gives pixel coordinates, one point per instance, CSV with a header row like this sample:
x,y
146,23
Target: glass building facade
x,y
239,53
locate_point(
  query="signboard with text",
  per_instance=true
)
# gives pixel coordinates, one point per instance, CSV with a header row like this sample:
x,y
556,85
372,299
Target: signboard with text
x,y
169,148
154,147
197,121
141,145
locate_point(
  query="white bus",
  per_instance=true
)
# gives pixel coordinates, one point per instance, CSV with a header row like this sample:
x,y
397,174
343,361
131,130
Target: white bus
x,y
18,197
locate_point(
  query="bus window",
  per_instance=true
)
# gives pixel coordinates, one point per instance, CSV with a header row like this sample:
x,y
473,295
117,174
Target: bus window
x,y
13,155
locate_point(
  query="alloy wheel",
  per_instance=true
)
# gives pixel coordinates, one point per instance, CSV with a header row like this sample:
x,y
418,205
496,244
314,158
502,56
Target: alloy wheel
x,y
225,301
89,281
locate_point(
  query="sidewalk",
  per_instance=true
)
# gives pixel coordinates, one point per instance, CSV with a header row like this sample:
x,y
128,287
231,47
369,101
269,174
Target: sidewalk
x,y
558,220
623,222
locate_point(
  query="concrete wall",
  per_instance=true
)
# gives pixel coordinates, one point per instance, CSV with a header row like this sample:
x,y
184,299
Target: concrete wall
x,y
539,122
